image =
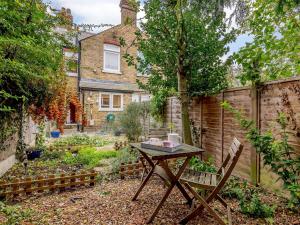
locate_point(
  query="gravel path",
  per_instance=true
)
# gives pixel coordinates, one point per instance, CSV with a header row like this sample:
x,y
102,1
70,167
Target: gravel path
x,y
110,203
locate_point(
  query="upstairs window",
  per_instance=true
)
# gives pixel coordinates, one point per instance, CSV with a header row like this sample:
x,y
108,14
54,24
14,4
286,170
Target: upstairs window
x,y
111,58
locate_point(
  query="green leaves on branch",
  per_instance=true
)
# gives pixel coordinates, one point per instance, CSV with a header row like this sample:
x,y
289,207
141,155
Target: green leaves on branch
x,y
274,51
276,152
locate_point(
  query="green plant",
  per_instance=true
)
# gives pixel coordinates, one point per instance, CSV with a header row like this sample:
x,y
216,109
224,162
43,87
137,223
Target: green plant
x,y
276,152
253,207
182,43
14,214
89,157
130,121
52,155
274,50
77,140
125,155
249,202
40,136
30,59
202,166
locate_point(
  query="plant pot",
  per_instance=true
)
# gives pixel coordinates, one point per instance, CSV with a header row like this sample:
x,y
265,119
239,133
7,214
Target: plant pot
x,y
35,154
55,134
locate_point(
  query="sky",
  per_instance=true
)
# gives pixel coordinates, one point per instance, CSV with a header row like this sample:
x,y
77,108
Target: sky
x,y
108,12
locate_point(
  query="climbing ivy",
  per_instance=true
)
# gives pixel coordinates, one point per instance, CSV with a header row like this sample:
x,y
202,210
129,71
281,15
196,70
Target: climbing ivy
x,y
276,152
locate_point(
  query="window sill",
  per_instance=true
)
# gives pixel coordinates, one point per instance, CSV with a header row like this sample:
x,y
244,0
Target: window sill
x,y
111,71
110,110
72,74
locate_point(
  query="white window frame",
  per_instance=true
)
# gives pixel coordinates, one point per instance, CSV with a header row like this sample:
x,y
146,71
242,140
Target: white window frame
x,y
135,98
111,105
114,49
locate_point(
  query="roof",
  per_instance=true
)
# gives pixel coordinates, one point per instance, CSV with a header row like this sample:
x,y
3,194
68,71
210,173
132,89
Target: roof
x,y
101,32
108,85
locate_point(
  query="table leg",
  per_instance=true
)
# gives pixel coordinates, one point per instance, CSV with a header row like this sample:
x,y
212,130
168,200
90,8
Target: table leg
x,y
175,178
143,184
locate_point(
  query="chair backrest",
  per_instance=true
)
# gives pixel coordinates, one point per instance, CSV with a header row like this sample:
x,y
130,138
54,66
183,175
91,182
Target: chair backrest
x,y
228,165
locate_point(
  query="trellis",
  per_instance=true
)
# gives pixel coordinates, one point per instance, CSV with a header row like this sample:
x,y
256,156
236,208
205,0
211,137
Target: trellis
x,y
50,183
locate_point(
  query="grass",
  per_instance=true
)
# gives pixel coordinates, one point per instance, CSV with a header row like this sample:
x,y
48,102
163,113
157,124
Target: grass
x,y
89,157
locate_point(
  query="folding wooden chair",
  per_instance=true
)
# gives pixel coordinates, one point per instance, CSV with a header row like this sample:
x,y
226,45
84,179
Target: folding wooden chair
x,y
213,183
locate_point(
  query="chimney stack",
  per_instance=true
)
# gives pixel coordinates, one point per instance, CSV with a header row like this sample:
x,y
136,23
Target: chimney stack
x,y
128,12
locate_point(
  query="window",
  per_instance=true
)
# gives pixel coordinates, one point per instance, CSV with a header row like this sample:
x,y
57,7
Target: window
x,y
105,101
145,72
140,98
111,102
111,58
145,98
135,98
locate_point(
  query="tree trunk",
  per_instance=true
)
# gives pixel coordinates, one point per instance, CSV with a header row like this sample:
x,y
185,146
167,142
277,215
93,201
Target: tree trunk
x,y
184,101
181,76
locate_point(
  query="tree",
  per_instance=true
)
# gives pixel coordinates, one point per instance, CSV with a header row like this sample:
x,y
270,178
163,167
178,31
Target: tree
x,y
182,44
30,61
274,52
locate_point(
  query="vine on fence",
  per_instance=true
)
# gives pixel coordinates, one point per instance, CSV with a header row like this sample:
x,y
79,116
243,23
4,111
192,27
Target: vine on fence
x,y
277,152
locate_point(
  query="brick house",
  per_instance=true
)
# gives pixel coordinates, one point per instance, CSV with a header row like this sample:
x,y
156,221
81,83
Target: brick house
x,y
106,83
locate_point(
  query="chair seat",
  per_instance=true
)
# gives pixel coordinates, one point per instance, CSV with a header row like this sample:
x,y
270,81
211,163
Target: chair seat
x,y
200,179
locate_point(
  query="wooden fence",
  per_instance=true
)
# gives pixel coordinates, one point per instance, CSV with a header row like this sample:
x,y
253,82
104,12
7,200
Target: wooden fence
x,y
215,127
51,183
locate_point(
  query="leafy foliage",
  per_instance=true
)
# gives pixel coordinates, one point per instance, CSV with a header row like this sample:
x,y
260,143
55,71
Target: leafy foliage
x,y
89,157
125,155
274,52
202,166
77,140
182,45
249,201
130,120
30,60
14,214
277,153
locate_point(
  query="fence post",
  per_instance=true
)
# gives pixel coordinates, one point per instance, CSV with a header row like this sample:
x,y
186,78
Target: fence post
x,y
51,183
122,170
255,116
40,184
62,182
82,178
72,180
15,187
28,185
92,178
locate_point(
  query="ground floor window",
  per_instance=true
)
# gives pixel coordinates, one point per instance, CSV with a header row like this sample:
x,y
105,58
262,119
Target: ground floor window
x,y
140,98
111,102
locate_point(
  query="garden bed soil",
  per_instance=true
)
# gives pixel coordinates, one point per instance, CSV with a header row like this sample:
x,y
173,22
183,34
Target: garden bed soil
x,y
39,168
110,203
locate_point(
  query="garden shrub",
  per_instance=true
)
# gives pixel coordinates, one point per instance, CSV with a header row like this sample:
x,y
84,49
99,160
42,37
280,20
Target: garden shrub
x,y
253,207
89,157
52,155
125,155
130,121
249,201
202,166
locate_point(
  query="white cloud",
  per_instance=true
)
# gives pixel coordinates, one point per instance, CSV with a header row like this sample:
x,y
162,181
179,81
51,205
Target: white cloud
x,y
91,11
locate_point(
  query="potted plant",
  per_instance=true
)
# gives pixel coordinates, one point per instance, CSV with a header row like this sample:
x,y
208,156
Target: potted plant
x,y
33,153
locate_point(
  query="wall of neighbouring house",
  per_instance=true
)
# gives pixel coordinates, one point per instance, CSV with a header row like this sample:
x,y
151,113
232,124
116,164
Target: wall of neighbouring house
x,y
219,126
91,64
7,157
91,107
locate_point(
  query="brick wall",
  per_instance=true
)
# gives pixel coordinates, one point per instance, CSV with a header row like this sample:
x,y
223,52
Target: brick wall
x,y
92,55
219,126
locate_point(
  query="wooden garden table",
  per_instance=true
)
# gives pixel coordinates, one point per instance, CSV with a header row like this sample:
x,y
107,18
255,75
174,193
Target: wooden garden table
x,y
159,165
